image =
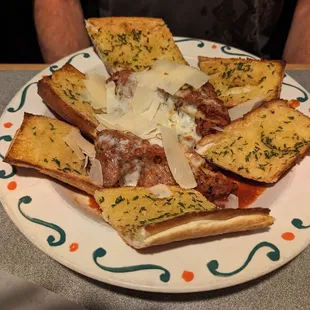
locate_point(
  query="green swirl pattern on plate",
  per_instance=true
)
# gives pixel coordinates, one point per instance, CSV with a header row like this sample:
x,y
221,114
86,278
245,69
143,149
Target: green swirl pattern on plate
x,y
298,223
22,99
200,44
227,50
305,95
273,255
6,138
3,174
55,67
100,252
50,239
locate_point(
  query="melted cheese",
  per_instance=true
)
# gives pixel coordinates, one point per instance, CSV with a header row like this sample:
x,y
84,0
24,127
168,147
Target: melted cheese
x,y
132,178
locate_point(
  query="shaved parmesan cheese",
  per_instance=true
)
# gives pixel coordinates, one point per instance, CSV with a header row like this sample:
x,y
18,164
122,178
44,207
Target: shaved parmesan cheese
x,y
191,76
231,202
108,118
142,98
95,172
176,75
96,88
171,83
149,78
150,113
218,128
109,121
160,191
151,134
70,140
116,105
177,161
154,137
146,88
243,108
86,147
136,124
162,115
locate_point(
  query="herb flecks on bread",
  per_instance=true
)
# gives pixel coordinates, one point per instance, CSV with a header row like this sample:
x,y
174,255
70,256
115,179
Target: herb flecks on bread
x,y
62,92
238,80
144,220
40,144
133,43
263,144
131,207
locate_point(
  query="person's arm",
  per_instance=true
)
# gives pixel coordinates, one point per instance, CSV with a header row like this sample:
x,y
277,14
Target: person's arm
x,y
297,47
60,28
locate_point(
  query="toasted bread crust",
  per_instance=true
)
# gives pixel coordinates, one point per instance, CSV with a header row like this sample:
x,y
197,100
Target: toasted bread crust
x,y
199,225
127,23
269,106
65,110
132,42
22,153
144,221
82,183
264,77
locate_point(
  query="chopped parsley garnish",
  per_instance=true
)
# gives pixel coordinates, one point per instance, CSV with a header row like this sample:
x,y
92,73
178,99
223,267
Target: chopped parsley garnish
x,y
55,160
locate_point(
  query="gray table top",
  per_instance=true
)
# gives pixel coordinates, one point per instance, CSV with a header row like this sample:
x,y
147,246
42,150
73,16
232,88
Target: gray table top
x,y
38,282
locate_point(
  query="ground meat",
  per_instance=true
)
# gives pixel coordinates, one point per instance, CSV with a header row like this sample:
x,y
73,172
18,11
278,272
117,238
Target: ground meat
x,y
156,171
121,154
212,111
214,185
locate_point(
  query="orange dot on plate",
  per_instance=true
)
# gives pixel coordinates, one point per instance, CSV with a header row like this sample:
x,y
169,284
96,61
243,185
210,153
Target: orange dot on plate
x,y
12,185
288,236
7,125
214,46
294,103
73,247
187,276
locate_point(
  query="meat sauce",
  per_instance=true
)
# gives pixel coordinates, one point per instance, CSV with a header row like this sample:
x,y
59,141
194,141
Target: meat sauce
x,y
248,191
94,205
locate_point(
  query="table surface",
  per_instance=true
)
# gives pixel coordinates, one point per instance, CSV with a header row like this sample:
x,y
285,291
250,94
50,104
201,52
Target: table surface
x,y
38,282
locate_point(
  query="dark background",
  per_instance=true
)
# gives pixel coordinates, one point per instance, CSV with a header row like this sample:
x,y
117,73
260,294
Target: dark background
x,y
19,41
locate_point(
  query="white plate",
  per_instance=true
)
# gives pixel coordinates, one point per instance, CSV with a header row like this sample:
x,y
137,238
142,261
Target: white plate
x,y
49,215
